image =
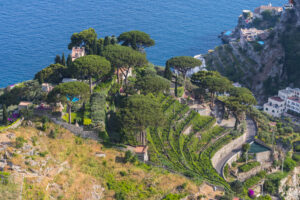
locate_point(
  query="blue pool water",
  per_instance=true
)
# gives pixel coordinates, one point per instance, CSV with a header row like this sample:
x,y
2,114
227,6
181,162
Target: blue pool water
x,y
32,32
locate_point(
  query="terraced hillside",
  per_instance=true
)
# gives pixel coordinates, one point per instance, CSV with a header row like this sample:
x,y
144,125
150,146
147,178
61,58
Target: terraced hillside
x,y
184,144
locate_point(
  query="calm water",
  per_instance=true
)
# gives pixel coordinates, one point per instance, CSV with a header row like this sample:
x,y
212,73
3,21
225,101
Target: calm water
x,y
32,32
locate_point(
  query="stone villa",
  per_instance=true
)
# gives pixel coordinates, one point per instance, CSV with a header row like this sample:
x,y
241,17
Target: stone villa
x,y
287,99
275,10
77,52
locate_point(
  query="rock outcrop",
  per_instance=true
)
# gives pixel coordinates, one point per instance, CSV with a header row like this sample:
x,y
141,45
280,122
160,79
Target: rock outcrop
x,y
265,62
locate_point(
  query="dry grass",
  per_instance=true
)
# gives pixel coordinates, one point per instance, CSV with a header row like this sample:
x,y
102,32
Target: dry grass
x,y
72,169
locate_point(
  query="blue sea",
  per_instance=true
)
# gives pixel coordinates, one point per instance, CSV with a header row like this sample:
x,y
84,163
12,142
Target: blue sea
x,y
32,32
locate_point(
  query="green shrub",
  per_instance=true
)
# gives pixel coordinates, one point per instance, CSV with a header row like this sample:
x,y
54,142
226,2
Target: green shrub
x,y
247,167
233,164
43,154
44,126
123,173
128,156
20,142
4,178
34,140
237,186
53,133
296,157
173,197
254,180
180,91
297,148
289,164
78,140
98,105
270,186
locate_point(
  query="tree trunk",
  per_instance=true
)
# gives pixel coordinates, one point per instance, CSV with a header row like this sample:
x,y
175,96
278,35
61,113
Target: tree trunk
x,y
237,121
91,85
143,138
184,83
70,112
118,78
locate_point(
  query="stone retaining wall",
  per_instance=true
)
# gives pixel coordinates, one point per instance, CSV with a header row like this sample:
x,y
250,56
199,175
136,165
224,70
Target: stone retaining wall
x,y
15,125
235,144
246,175
234,158
78,131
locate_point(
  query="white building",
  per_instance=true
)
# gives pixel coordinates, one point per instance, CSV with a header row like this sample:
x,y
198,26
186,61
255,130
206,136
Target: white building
x,y
77,52
287,99
293,104
275,106
289,92
68,80
275,10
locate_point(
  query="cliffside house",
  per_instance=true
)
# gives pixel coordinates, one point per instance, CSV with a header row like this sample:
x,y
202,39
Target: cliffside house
x,y
293,104
289,5
47,87
275,106
251,35
24,105
275,10
142,153
287,99
68,80
77,52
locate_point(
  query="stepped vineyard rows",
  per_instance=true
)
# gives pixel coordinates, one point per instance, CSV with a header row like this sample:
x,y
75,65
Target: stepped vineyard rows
x,y
188,154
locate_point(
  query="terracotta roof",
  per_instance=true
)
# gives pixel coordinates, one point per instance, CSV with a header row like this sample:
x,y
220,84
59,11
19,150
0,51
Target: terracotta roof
x,y
141,149
296,99
277,99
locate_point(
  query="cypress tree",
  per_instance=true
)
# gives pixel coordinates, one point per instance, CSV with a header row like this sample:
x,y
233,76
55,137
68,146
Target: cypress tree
x,y
95,48
168,73
5,115
113,40
106,41
69,60
57,59
176,92
63,59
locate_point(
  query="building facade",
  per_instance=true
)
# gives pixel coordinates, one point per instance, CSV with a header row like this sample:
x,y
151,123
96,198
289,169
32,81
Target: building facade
x,y
77,52
287,99
275,106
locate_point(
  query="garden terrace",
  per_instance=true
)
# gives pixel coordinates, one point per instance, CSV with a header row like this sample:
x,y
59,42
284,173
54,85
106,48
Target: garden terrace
x,y
181,153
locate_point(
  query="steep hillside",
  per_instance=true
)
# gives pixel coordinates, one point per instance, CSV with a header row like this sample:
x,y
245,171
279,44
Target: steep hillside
x,y
266,67
44,165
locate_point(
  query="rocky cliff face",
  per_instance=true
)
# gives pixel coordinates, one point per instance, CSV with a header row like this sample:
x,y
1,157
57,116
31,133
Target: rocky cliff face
x,y
290,186
263,67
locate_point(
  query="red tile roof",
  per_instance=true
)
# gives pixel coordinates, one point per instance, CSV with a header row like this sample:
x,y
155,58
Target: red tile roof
x,y
141,149
296,99
277,99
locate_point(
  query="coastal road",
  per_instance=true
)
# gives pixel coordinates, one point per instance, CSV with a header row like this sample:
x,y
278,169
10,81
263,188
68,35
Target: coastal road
x,y
250,134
